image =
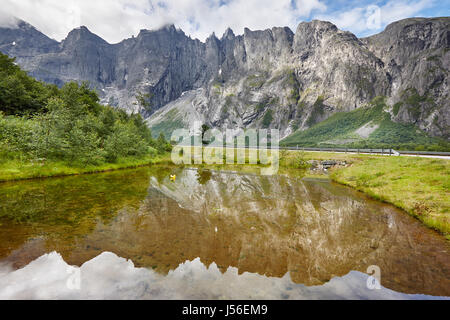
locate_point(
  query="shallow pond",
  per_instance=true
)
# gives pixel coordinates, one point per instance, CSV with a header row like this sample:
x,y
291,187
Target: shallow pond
x,y
208,235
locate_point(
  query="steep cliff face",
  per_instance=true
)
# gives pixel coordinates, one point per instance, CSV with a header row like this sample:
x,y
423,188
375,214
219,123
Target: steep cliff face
x,y
271,78
164,63
275,78
416,54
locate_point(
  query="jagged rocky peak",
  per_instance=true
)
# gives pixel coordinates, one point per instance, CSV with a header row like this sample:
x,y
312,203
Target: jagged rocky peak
x,y
228,34
311,34
284,37
168,32
316,27
282,32
413,35
83,34
170,27
258,34
268,49
212,38
24,25
164,28
421,29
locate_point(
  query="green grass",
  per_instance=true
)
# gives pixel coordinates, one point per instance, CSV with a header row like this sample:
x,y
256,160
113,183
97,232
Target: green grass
x,y
338,125
167,127
19,170
169,124
268,118
420,186
396,108
316,112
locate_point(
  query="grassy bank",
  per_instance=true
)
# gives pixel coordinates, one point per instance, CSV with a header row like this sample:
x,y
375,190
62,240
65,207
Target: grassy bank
x,y
420,186
19,170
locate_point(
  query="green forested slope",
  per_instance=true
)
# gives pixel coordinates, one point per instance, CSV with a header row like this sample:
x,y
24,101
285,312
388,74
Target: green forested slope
x,y
340,131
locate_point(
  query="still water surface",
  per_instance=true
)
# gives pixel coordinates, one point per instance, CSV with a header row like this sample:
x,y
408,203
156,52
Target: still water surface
x,y
208,235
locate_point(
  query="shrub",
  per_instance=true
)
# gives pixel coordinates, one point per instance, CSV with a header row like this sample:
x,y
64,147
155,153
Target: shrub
x,y
66,124
268,118
123,142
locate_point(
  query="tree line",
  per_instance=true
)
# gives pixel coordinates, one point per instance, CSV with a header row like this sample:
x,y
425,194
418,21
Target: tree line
x,y
42,121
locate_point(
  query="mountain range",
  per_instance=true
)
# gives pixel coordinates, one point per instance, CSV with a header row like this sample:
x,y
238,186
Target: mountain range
x,y
320,84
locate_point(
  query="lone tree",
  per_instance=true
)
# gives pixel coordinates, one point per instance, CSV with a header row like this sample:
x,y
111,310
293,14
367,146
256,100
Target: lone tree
x,y
205,128
144,101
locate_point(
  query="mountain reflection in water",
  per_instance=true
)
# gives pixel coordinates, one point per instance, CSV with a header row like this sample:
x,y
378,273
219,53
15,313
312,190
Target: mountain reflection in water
x,y
110,277
264,226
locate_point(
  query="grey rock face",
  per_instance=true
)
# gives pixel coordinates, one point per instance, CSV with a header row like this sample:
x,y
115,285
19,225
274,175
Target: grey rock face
x,y
25,41
416,53
270,78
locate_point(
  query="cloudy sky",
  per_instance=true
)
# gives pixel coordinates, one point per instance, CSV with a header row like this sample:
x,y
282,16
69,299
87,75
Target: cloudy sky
x,y
115,20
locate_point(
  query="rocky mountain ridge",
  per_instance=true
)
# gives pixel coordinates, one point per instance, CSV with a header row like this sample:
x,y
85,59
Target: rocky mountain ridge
x,y
272,78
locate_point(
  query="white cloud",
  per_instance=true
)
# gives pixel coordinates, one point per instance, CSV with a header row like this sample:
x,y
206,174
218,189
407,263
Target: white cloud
x,y
396,10
115,20
370,18
305,7
7,21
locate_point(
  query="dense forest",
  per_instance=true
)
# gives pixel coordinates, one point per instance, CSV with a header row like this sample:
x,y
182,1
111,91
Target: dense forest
x,y
40,121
